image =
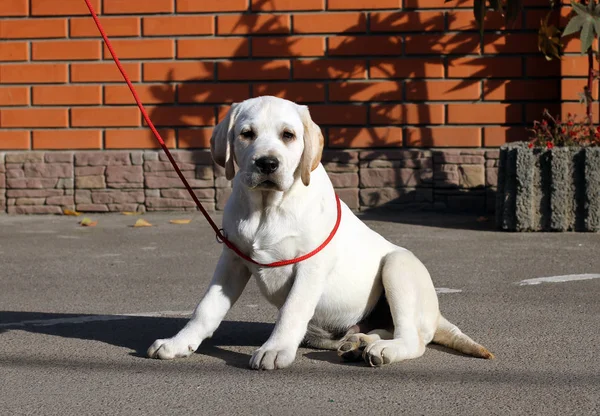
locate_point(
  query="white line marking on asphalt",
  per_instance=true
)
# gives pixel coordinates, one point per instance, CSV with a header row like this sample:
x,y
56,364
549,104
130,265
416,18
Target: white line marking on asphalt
x,y
94,318
447,290
558,279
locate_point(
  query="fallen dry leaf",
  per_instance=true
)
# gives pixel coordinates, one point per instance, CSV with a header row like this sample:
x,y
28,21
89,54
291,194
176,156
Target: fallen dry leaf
x,y
131,213
142,223
87,222
187,221
71,212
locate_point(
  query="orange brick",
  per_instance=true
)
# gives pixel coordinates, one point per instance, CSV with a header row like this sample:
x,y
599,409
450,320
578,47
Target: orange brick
x,y
330,22
148,93
34,28
178,71
246,24
406,113
484,113
510,43
67,94
113,26
14,140
443,137
299,92
574,66
534,111
221,6
407,68
212,92
212,48
365,91
464,20
330,69
14,51
539,66
34,117
577,109
222,111
137,7
288,46
442,90
103,72
519,89
285,5
534,16
30,73
14,7
254,70
485,67
105,117
178,25
67,139
14,96
182,116
363,4
407,21
437,4
365,137
365,45
194,138
497,136
65,50
62,7
457,43
137,139
142,48
571,88
340,114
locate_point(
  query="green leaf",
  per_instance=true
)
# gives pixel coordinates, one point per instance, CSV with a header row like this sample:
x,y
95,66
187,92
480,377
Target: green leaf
x,y
587,36
574,25
479,9
596,21
579,8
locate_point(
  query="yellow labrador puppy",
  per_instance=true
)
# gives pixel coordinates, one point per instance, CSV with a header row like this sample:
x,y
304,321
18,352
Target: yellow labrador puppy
x,y
361,295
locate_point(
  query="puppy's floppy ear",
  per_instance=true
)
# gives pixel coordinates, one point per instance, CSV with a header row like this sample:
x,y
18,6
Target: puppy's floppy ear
x,y
313,145
221,142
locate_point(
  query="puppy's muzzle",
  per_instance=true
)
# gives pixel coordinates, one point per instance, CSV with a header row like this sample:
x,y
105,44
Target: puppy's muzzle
x,y
267,164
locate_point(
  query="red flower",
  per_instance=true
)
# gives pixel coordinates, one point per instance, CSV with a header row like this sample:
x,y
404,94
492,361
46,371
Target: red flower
x,y
544,123
549,145
570,123
530,145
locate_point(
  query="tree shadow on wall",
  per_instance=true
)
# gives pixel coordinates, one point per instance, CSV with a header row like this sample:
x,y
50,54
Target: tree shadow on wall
x,y
353,111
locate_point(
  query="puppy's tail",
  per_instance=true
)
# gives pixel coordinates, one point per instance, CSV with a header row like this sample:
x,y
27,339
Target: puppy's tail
x,y
448,335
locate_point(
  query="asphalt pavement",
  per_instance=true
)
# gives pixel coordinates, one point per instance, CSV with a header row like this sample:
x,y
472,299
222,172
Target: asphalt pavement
x,y
80,305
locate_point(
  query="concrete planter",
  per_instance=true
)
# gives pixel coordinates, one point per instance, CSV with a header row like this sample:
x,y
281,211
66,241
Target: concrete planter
x,y
548,189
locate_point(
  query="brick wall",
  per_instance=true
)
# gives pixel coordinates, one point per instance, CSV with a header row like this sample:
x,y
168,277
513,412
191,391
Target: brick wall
x,y
376,73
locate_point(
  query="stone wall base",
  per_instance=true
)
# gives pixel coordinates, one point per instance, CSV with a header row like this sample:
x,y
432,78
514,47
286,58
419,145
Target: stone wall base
x,y
117,181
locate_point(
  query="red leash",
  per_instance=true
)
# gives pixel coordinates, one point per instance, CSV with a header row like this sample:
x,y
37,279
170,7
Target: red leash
x,y
220,236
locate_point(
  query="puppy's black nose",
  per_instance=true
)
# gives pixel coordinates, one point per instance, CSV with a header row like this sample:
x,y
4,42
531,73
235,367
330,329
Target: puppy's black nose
x,y
267,164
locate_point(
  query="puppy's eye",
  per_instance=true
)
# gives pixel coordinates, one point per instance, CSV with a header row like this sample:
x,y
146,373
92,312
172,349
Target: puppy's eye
x,y
287,135
247,134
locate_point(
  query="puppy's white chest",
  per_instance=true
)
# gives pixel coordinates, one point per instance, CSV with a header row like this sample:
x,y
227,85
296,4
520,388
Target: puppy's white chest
x,y
275,283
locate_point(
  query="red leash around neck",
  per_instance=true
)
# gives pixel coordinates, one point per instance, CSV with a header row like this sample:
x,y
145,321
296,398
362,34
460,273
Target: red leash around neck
x,y
220,236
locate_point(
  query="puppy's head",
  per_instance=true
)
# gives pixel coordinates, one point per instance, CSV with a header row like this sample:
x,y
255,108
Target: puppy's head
x,y
273,141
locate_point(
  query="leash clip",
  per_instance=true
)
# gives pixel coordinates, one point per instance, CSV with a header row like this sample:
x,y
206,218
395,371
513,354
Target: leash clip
x,y
222,231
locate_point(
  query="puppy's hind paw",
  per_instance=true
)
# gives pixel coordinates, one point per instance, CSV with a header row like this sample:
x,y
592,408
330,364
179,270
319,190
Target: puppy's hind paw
x,y
352,347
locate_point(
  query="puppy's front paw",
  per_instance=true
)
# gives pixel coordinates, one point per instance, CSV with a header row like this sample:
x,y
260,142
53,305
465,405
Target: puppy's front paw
x,y
271,358
167,349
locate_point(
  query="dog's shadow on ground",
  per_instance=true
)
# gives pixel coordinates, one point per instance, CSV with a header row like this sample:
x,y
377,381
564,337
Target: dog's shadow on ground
x,y
137,333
